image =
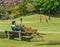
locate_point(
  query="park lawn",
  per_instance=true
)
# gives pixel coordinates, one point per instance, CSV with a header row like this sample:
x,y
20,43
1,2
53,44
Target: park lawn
x,y
33,21
50,40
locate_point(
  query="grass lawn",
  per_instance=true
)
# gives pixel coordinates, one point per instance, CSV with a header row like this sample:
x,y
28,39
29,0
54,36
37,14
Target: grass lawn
x,y
34,22
50,40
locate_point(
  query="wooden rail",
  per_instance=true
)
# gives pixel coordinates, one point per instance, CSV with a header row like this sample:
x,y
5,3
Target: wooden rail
x,y
17,33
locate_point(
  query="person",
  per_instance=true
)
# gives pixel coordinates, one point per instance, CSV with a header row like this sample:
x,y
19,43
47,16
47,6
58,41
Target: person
x,y
46,19
21,19
40,18
15,27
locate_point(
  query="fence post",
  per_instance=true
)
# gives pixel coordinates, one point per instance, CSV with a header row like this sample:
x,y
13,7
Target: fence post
x,y
8,35
19,35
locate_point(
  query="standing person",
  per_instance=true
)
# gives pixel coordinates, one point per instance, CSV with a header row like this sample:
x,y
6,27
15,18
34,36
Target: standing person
x,y
49,18
46,19
21,19
40,18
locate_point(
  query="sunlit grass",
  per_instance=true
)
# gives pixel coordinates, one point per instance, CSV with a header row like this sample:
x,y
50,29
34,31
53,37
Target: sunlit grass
x,y
33,21
50,40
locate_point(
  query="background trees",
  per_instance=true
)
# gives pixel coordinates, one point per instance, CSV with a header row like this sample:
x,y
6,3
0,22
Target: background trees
x,y
46,5
29,6
3,12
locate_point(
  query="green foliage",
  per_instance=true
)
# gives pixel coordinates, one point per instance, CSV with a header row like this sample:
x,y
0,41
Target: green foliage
x,y
37,4
26,7
22,9
29,7
14,11
3,11
46,4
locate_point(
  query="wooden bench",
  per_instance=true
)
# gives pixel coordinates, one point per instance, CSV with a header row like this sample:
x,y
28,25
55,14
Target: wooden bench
x,y
18,34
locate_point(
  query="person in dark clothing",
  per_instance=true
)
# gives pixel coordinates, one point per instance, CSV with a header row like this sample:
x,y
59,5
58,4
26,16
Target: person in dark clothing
x,y
15,27
21,19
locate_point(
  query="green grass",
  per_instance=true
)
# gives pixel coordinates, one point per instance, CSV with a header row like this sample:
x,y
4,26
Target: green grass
x,y
33,22
50,40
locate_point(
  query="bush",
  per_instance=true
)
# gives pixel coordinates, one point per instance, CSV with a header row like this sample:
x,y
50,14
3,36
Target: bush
x,y
29,8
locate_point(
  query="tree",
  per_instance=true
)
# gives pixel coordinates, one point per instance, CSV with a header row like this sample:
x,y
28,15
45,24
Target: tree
x,y
14,11
2,11
46,5
22,9
29,7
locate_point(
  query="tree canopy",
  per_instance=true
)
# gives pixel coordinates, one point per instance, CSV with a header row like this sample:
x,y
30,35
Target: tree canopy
x,y
46,5
29,6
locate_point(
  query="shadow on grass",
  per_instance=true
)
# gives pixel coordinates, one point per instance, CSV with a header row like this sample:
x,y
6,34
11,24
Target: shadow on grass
x,y
49,43
3,35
